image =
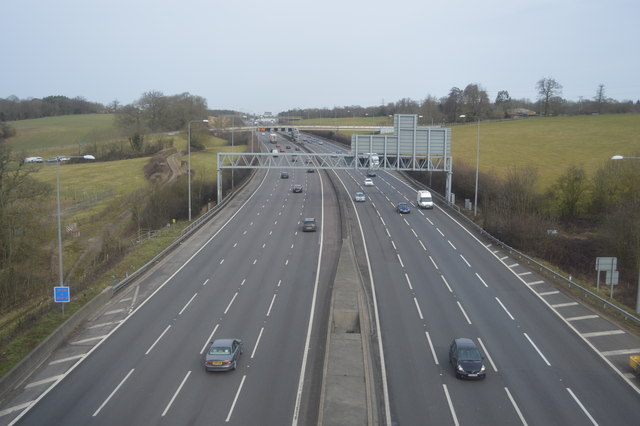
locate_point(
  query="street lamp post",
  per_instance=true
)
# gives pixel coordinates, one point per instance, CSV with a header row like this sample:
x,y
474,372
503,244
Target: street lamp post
x,y
622,157
189,160
59,214
475,199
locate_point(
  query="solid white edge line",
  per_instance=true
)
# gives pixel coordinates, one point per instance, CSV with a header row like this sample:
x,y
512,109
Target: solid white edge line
x,y
537,350
157,340
451,409
235,399
433,350
255,347
113,393
175,395
208,342
486,352
303,367
515,406
584,410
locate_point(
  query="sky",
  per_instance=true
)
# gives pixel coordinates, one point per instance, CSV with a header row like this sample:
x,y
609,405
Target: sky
x,y
258,56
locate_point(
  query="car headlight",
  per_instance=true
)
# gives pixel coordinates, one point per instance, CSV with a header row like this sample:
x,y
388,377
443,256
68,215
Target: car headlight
x,y
460,369
482,369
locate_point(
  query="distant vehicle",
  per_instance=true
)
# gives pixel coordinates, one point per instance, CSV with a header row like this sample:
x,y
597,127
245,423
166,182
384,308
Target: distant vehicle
x,y
34,160
297,148
371,173
403,208
284,175
424,200
320,143
334,154
309,224
273,137
359,197
310,170
288,146
296,188
368,182
274,152
466,359
374,159
281,149
58,159
223,354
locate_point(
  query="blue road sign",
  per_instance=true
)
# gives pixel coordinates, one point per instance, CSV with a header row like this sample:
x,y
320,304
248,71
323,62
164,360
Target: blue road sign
x,y
61,295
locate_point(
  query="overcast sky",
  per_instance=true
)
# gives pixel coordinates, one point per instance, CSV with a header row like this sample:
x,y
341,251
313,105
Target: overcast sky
x,y
260,55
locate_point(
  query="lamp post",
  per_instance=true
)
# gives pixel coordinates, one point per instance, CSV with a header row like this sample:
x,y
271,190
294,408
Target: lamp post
x,y
622,157
189,160
59,159
475,199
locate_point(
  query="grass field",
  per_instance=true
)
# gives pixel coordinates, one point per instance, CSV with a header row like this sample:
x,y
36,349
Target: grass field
x,y
39,136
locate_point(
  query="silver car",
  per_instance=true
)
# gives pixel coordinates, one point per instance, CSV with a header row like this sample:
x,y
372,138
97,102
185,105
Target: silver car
x,y
223,354
359,196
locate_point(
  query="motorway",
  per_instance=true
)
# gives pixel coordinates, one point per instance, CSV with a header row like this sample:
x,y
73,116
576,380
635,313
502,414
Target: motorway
x,y
435,281
550,360
259,278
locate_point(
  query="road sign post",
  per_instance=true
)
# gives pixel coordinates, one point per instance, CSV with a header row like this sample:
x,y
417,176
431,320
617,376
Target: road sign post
x,y
61,294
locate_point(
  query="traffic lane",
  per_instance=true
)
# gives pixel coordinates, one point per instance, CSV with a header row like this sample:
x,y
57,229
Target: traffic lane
x,y
433,317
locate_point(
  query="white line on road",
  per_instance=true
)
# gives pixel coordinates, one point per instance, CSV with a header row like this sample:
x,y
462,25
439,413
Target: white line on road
x,y
423,247
535,282
465,261
438,229
418,308
70,358
486,353
513,402
157,340
176,393
480,278
620,352
453,411
15,408
255,347
394,245
537,350
188,303
208,342
43,381
433,261
408,281
221,261
235,399
446,283
524,273
549,293
584,410
602,333
115,311
582,317
271,305
451,244
113,393
205,281
400,260
505,309
464,313
103,324
90,339
564,305
230,303
433,351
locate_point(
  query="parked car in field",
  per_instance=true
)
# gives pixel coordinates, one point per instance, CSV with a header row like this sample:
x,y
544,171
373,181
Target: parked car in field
x,y
223,354
34,160
466,359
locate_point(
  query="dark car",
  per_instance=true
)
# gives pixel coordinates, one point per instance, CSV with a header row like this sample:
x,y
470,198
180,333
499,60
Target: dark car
x,y
296,188
284,175
297,149
309,170
403,208
466,359
288,146
371,173
223,354
309,224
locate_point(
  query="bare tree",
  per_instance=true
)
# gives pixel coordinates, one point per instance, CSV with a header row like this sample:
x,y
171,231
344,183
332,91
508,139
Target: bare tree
x,y
600,98
548,89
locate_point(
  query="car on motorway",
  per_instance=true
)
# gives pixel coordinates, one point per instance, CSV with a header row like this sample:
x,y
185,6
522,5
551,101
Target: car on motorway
x,y
371,173
466,359
223,354
284,175
359,197
334,154
368,182
296,188
310,170
403,208
297,148
288,146
320,143
281,149
309,224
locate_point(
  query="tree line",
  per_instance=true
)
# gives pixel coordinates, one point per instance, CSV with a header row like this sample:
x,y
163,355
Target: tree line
x,y
473,102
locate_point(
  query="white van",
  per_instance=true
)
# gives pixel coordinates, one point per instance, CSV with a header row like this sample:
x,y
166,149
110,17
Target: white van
x,y
424,200
274,152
